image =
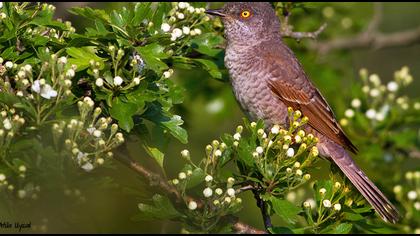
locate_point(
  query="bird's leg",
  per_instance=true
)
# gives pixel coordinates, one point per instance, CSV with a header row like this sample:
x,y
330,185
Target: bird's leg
x,y
263,208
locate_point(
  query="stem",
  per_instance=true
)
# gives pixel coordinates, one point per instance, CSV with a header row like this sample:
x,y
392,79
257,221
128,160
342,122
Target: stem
x,y
263,207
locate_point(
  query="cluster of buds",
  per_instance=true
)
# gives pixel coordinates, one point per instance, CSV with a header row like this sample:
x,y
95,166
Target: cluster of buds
x,y
327,204
409,194
382,97
10,125
294,150
91,138
178,23
52,34
118,82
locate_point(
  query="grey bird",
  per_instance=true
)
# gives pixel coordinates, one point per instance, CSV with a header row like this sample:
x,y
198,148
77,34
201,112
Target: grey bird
x,y
267,78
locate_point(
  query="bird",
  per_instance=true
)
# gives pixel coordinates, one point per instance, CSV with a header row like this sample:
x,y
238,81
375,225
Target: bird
x,y
267,78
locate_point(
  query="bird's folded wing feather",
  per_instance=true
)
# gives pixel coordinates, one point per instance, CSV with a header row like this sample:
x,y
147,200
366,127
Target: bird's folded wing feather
x,y
289,82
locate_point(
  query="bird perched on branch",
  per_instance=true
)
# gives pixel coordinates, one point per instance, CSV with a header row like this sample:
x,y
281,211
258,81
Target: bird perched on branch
x,y
267,78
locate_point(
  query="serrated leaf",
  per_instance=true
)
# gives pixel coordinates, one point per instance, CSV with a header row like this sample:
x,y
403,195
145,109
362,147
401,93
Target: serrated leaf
x,y
162,208
123,112
152,55
285,209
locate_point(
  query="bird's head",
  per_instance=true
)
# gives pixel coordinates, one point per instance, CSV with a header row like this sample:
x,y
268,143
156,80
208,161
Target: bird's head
x,y
248,22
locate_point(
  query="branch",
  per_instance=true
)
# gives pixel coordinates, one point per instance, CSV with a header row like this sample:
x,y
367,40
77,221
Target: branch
x,y
287,29
157,181
370,38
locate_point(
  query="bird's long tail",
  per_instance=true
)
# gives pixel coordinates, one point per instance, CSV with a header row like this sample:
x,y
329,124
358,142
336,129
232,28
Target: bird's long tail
x,y
371,193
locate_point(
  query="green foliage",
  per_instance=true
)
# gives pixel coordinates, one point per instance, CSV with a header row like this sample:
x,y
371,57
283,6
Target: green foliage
x,y
70,98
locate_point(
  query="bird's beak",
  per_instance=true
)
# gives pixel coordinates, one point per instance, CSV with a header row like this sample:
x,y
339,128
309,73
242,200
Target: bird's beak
x,y
216,12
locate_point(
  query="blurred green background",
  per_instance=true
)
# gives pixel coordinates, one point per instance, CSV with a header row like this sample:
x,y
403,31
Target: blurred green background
x,y
210,110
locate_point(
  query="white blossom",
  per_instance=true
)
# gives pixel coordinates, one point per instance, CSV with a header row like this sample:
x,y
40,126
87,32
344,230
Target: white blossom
x,y
97,133
326,203
118,80
180,16
374,92
166,74
207,192
136,80
392,86
8,64
349,113
7,124
165,27
230,192
237,136
275,129
182,175
183,5
218,191
337,206
322,191
228,199
177,32
397,189
22,168
62,60
218,153
70,73
208,178
87,166
356,103
2,177
371,113
192,205
290,152
186,30
259,150
45,90
197,31
99,82
412,195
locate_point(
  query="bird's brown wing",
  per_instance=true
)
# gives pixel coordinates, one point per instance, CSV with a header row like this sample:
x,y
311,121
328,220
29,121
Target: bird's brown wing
x,y
289,82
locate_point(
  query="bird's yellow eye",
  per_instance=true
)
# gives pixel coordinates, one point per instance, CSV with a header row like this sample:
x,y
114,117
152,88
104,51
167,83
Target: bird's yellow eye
x,y
245,14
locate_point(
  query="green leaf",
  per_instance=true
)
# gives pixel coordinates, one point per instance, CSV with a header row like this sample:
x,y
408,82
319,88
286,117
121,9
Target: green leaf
x,y
285,209
152,55
343,228
281,230
196,178
90,13
123,112
206,44
162,208
210,66
81,56
174,127
142,10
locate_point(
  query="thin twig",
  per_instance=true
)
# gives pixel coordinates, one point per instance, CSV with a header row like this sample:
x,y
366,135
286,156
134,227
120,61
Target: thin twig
x,y
263,208
370,38
157,181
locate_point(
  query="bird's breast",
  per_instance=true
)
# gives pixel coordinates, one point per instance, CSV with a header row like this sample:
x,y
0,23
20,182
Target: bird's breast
x,y
249,78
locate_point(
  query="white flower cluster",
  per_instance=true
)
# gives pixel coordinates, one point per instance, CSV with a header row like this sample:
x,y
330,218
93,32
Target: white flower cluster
x,y
91,138
180,18
10,124
382,96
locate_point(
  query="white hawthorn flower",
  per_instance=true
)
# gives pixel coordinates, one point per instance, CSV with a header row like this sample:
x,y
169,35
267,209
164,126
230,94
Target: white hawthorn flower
x,y
118,80
197,31
218,153
192,205
322,191
99,82
349,113
182,175
412,195
22,168
290,152
8,64
97,133
337,206
228,199
46,91
183,5
275,129
392,86
218,191
87,166
166,74
136,80
237,136
180,16
70,73
177,32
62,60
2,177
230,192
397,189
306,204
7,124
374,92
230,180
298,139
371,113
299,172
259,150
296,165
356,103
207,192
208,178
374,78
165,27
326,203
